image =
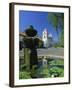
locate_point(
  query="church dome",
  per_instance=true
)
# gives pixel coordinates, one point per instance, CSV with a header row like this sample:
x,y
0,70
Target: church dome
x,y
50,35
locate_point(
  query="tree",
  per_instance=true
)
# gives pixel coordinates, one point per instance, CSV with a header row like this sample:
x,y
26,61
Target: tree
x,y
57,20
31,32
62,38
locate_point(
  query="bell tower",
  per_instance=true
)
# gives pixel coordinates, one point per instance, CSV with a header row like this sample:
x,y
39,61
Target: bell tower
x,y
45,38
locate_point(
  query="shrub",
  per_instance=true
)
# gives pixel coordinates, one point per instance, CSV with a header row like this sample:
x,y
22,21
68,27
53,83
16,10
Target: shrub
x,y
57,72
23,67
24,75
43,72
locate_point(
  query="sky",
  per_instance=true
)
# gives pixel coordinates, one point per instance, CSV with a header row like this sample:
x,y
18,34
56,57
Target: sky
x,y
39,20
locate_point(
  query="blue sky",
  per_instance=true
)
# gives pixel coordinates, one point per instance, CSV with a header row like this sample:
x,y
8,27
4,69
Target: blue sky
x,y
39,20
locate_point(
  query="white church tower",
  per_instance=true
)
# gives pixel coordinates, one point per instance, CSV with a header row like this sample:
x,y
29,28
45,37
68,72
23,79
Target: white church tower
x,y
45,38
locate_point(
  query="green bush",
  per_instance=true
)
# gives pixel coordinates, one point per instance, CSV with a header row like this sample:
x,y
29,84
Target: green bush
x,y
34,71
57,45
24,75
56,68
56,62
23,67
58,72
43,72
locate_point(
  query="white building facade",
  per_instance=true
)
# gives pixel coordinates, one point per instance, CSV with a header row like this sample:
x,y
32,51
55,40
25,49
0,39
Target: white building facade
x,y
45,38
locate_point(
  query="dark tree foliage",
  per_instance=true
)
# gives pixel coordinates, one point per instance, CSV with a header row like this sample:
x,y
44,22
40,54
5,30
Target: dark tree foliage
x,y
31,31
